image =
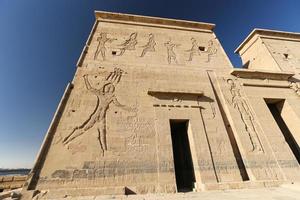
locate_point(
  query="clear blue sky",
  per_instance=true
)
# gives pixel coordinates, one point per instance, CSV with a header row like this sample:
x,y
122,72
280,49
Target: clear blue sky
x,y
40,42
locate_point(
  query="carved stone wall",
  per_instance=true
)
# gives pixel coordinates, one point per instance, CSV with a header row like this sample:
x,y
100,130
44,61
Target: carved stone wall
x,y
111,133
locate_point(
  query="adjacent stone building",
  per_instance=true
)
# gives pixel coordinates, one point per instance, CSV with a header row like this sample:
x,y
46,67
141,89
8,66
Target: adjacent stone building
x,y
155,106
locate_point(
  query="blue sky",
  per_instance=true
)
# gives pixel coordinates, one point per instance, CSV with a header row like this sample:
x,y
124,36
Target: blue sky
x,y
40,43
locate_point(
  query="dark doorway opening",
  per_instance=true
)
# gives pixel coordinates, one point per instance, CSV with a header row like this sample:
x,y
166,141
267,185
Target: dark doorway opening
x,y
184,169
275,106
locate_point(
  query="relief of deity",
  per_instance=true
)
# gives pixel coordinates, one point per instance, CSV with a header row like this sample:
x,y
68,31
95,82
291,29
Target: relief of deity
x,y
149,47
240,104
211,50
170,51
129,44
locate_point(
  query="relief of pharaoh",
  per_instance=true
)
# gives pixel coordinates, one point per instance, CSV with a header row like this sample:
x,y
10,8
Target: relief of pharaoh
x,y
194,50
105,96
102,40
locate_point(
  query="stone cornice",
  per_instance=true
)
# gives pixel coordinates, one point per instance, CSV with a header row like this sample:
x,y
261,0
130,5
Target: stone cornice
x,y
153,21
255,74
265,33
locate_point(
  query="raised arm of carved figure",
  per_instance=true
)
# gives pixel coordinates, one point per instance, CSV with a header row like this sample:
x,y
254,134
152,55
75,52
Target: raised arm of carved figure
x,y
87,84
124,107
115,76
111,39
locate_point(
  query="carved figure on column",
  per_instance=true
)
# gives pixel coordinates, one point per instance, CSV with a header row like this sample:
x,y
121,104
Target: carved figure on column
x,y
149,47
194,50
105,96
129,44
170,51
102,40
211,50
240,104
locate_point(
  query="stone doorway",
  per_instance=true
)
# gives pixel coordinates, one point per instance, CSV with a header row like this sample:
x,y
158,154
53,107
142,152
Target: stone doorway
x,y
184,170
276,107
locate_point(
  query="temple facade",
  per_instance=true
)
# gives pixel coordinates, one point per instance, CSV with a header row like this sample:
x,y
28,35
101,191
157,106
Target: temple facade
x,y
156,106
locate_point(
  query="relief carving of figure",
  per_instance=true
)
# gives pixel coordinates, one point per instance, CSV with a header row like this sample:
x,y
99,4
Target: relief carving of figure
x,y
296,87
211,50
194,50
170,51
149,47
105,96
102,40
240,104
129,44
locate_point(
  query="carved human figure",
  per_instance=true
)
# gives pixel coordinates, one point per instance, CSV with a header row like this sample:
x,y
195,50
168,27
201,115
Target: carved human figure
x,y
194,50
105,96
149,47
239,103
170,51
211,50
296,87
129,44
102,40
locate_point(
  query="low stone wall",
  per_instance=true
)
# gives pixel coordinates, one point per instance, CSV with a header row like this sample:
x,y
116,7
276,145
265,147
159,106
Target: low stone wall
x,y
11,182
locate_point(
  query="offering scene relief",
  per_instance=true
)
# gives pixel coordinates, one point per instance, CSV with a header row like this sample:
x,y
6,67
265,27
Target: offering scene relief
x,y
172,50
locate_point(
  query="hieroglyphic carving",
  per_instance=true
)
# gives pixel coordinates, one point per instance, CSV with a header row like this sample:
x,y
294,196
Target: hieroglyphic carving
x,y
150,46
102,40
136,143
64,174
170,51
194,50
211,50
296,87
138,126
129,44
240,104
105,96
